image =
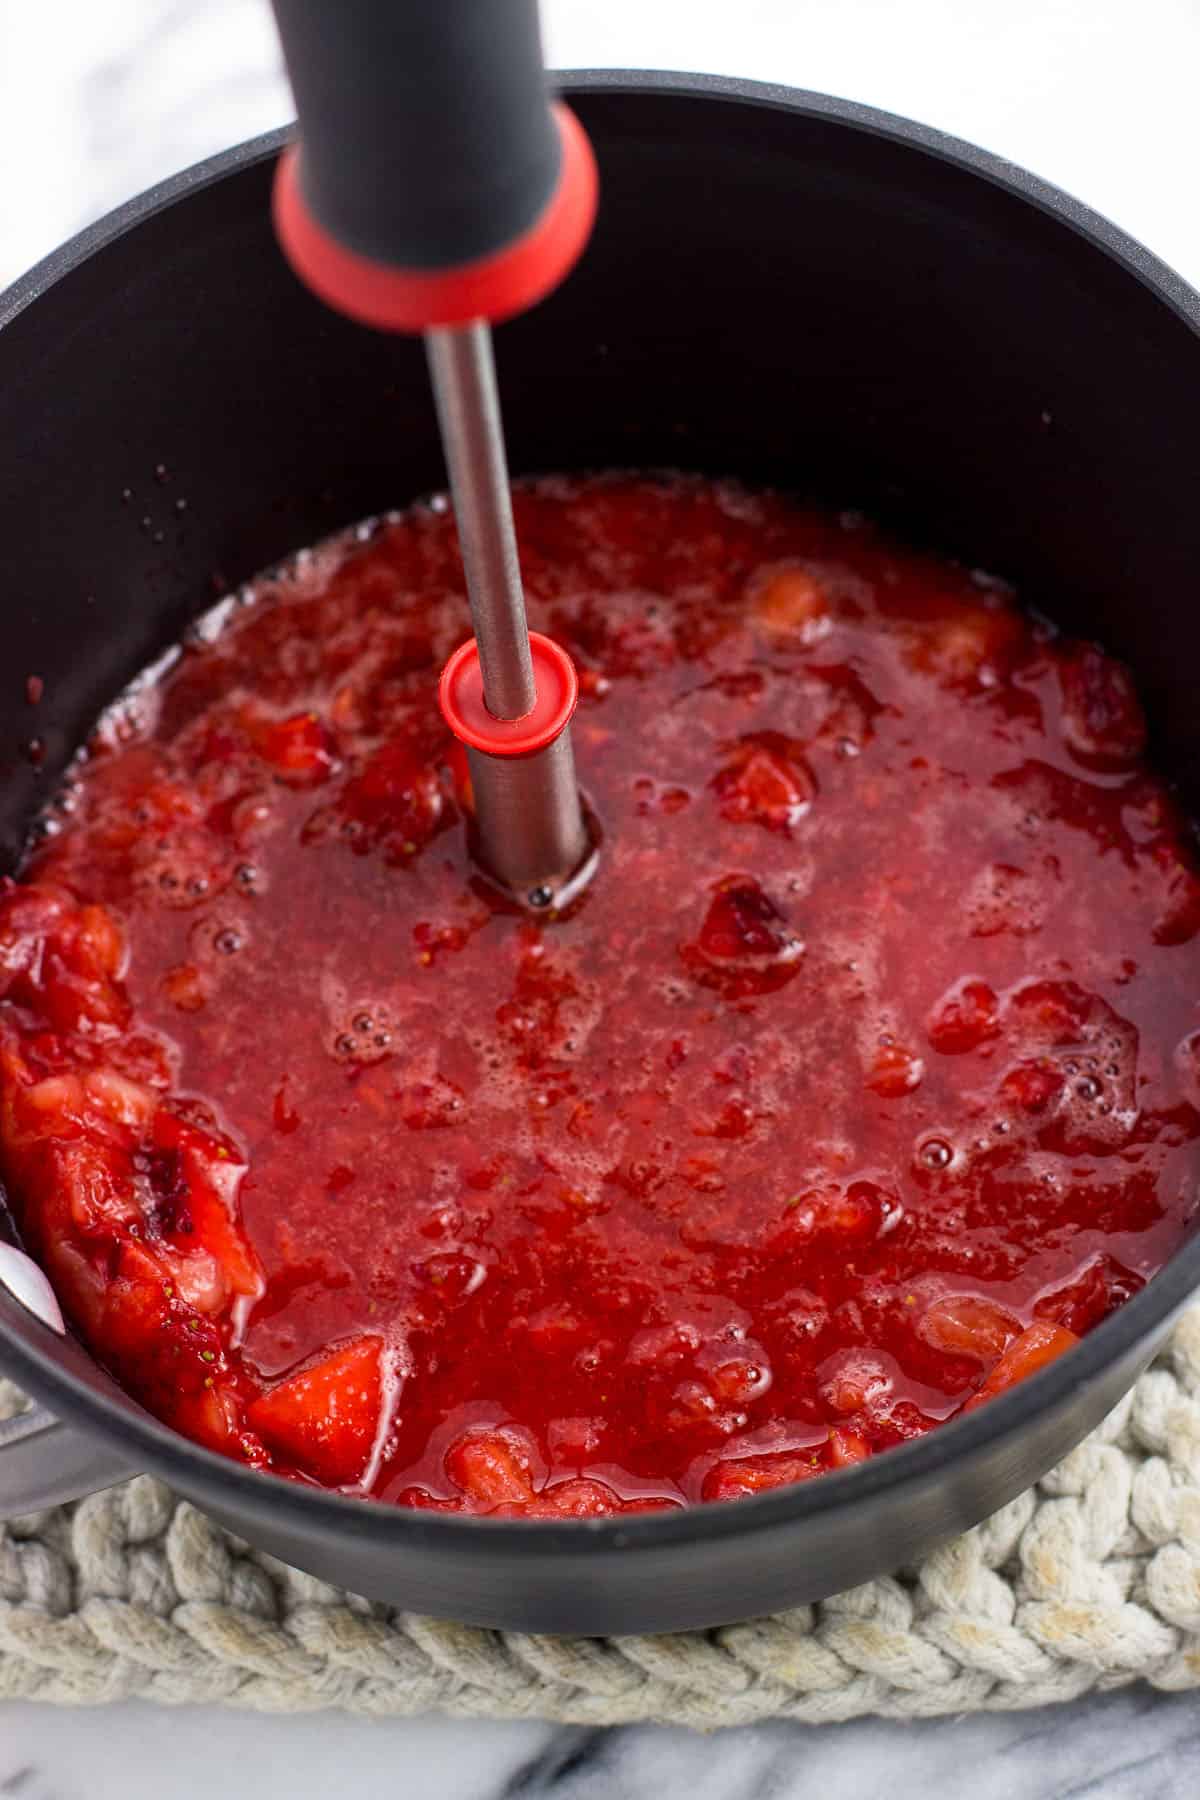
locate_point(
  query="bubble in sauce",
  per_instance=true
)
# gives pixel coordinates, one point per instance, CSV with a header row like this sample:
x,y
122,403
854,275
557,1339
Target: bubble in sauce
x,y
935,1154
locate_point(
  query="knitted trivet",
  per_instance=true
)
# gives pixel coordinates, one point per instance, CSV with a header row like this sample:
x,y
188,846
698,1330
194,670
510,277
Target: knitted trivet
x,y
1089,1581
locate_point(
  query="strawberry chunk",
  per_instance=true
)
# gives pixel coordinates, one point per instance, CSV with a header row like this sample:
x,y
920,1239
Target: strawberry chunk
x,y
186,986
1054,1012
1031,1087
964,1018
893,1070
430,1105
788,602
165,1351
28,916
299,749
1099,1288
493,1467
967,1325
849,1216
578,1498
736,1477
1038,1345
963,642
847,1448
213,1416
326,1418
745,946
854,1379
764,784
64,960
1178,918
96,1179
395,799
740,922
1101,718
194,1179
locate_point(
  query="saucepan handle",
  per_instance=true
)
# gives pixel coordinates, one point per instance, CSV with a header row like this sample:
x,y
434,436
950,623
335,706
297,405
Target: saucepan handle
x,y
44,1462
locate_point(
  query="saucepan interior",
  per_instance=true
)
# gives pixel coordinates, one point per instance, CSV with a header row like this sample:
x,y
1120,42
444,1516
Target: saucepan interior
x,y
781,287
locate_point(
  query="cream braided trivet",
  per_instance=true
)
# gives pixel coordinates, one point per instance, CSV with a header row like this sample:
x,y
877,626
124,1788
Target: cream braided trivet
x,y
1090,1581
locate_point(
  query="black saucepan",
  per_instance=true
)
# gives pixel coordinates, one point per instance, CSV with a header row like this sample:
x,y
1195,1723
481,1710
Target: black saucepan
x,y
780,286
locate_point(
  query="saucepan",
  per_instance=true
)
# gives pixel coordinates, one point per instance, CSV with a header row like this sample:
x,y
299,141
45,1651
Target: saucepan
x,y
783,287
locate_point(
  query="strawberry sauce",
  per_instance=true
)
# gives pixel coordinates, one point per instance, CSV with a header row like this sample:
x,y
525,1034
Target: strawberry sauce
x,y
860,1082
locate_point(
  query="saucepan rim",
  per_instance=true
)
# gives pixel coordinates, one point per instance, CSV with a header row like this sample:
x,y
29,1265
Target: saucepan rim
x,y
32,1352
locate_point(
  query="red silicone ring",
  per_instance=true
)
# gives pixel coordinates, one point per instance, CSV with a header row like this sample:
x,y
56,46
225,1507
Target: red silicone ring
x,y
460,695
493,287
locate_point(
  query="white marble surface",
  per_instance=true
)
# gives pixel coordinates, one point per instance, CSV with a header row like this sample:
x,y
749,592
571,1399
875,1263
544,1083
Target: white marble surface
x,y
1126,1746
96,101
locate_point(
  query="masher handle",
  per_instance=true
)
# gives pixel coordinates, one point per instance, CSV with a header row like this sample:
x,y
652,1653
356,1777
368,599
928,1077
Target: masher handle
x,y
431,154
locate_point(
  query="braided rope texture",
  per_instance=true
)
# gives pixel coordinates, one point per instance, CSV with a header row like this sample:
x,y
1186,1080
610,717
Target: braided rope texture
x,y
1089,1581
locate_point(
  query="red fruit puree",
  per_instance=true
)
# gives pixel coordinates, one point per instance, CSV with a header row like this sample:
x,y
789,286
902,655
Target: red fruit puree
x,y
860,1082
